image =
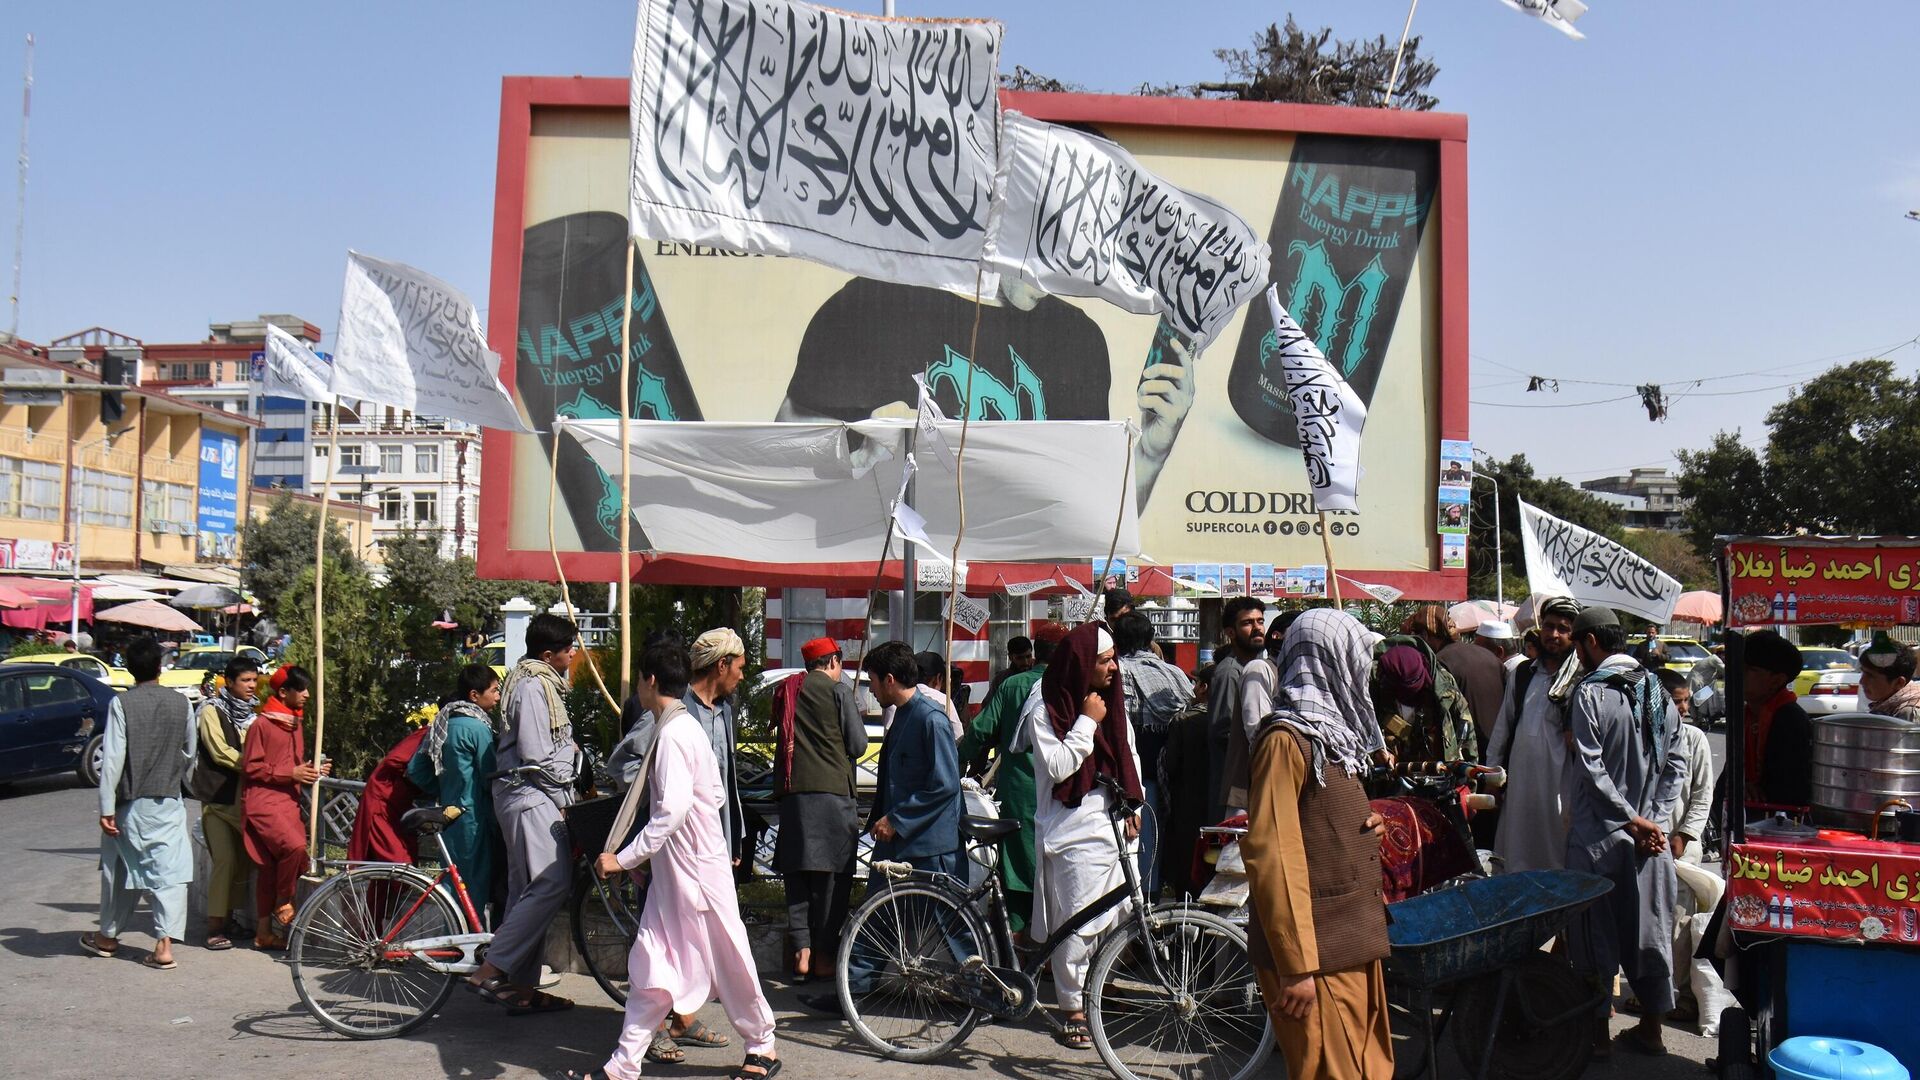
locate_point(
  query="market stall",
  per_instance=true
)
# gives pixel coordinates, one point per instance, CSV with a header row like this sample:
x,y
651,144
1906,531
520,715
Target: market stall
x,y
1823,900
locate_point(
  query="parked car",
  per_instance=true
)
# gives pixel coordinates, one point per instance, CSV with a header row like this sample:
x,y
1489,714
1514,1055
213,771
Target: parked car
x,y
1833,691
52,719
118,678
1706,675
191,666
1816,661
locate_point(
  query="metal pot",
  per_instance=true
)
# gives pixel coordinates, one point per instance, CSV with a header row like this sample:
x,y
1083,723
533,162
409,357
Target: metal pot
x,y
1861,760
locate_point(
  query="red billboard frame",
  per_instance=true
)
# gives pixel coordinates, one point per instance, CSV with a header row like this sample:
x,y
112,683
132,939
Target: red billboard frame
x,y
521,95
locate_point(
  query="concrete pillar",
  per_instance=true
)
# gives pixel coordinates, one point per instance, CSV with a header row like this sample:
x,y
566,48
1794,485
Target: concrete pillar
x,y
517,612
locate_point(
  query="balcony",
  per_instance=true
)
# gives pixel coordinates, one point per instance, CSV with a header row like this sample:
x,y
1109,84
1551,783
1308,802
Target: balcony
x,y
413,425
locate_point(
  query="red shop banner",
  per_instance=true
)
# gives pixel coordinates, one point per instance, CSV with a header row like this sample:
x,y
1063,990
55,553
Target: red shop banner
x,y
1811,581
1869,894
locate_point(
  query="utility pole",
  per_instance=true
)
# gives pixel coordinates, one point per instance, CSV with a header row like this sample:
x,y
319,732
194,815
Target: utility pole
x,y
20,193
1499,563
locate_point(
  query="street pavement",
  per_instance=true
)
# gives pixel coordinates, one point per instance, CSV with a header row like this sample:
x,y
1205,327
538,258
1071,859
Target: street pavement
x,y
66,1014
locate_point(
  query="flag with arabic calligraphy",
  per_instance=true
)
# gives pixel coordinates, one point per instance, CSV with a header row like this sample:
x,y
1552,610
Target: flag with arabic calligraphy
x,y
1559,14
1326,411
782,128
1564,559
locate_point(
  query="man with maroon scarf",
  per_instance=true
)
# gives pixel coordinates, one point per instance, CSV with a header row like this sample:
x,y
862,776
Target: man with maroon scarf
x,y
1077,723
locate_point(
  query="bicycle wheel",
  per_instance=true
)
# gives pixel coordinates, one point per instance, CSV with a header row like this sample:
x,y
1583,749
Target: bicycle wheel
x,y
1544,986
606,916
1203,1021
342,951
899,960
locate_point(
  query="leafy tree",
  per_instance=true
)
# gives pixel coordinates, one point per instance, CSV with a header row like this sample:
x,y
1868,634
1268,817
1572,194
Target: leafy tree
x,y
1672,553
1555,496
1836,461
368,694
279,546
1311,68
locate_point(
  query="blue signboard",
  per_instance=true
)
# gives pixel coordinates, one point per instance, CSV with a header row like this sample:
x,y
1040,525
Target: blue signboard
x,y
219,494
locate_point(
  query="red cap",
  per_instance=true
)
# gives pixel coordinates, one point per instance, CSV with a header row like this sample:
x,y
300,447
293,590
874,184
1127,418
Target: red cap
x,y
1053,633
818,648
279,677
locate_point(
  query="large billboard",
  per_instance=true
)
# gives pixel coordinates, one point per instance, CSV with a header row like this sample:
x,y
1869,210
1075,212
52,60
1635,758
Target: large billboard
x,y
1365,212
218,495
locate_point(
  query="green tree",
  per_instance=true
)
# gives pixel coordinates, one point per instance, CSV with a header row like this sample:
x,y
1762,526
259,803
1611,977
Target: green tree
x,y
1311,68
1673,553
1836,461
279,547
368,694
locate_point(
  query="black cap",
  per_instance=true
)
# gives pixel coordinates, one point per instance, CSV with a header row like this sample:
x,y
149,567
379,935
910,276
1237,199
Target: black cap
x,y
1594,618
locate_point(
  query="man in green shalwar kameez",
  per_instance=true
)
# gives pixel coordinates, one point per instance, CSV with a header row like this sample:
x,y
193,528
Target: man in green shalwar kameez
x,y
452,766
995,727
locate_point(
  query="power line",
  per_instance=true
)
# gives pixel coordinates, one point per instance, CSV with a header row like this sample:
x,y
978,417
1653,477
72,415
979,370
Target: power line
x,y
1551,404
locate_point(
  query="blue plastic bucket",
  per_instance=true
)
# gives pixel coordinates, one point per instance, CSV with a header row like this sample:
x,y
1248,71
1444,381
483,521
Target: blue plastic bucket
x,y
1810,1057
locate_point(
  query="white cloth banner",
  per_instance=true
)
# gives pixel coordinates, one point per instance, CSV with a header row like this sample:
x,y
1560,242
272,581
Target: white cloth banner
x,y
1028,588
769,126
412,341
293,370
1076,215
1565,559
1559,14
927,421
936,575
825,492
1075,610
1329,415
968,614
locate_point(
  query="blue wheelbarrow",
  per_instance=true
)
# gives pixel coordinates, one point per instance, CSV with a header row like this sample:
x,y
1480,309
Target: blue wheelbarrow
x,y
1474,950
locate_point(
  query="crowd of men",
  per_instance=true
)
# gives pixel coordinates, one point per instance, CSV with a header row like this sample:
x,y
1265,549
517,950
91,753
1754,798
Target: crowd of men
x,y
1287,726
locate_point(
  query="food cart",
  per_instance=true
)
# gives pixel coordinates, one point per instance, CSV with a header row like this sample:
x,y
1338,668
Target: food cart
x,y
1824,915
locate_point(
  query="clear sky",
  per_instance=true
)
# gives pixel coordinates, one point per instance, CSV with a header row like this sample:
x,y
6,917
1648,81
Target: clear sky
x,y
1696,190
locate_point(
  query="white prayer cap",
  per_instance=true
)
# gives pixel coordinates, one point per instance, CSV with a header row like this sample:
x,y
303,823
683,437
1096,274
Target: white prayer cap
x,y
1103,643
1494,630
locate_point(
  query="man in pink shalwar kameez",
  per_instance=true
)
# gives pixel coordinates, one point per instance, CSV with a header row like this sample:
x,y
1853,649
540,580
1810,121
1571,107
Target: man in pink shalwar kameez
x,y
691,942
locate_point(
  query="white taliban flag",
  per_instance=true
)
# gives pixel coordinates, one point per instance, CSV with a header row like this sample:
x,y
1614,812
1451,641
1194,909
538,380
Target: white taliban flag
x,y
1076,215
1329,415
782,128
1565,559
293,369
412,341
1385,594
1558,14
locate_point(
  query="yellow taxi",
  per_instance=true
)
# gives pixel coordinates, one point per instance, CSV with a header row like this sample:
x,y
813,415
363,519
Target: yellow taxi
x,y
191,667
118,678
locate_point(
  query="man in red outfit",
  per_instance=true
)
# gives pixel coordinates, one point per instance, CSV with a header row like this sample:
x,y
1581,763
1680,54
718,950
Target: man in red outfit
x,y
377,835
276,771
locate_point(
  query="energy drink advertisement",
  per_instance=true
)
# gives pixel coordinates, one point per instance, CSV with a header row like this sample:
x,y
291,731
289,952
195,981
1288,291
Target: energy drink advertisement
x,y
1344,239
568,355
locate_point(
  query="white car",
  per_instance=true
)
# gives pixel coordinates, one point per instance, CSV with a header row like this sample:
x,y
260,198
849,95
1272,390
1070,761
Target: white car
x,y
1834,692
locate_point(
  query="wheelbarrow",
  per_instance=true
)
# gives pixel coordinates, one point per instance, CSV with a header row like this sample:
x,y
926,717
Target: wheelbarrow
x,y
1520,1012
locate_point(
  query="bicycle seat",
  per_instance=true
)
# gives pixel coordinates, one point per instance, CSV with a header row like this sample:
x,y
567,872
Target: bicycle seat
x,y
987,830
427,820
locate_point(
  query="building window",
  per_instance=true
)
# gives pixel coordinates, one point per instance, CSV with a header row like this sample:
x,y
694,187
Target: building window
x,y
350,456
426,508
392,507
390,458
106,499
321,451
426,459
164,502
203,371
29,489
177,372
803,617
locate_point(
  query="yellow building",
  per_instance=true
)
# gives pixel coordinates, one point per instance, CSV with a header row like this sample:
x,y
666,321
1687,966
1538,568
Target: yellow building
x,y
166,483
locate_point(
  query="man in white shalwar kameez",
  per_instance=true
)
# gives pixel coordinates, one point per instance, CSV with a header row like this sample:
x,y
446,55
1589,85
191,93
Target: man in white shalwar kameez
x,y
1078,726
691,943
1529,740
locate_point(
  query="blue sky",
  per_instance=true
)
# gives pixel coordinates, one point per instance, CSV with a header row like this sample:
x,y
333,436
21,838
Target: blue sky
x,y
1696,190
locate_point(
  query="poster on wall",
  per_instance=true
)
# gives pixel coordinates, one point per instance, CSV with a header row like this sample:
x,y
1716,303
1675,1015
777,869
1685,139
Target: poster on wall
x,y
1260,580
1456,462
1455,505
1453,552
1355,236
218,495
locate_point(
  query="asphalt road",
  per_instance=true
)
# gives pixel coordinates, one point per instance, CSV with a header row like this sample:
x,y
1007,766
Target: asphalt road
x,y
66,1014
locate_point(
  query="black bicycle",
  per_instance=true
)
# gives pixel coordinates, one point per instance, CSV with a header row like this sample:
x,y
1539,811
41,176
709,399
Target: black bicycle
x,y
1171,992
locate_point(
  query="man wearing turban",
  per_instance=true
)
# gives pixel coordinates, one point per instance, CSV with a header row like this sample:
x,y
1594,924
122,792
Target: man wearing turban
x,y
1529,741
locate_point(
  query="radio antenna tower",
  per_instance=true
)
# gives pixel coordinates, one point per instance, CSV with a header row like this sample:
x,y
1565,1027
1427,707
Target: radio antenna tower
x,y
20,196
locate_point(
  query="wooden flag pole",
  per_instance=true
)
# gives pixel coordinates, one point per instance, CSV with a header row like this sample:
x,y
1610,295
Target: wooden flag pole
x,y
319,635
632,250
1326,545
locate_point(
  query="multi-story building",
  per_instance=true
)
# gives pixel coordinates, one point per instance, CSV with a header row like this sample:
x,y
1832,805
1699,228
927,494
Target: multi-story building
x,y
412,472
121,477
1650,498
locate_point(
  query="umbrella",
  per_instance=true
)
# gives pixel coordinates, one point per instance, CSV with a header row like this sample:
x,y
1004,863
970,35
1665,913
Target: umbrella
x,y
237,609
1472,613
1700,607
206,596
148,614
117,593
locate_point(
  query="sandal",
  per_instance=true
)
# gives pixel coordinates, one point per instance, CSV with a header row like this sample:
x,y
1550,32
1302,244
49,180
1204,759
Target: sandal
x,y
769,1068
1076,1035
89,943
664,1051
159,965
492,991
698,1034
528,1002
218,943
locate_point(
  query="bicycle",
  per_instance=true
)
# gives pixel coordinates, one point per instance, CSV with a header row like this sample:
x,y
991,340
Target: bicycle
x,y
1171,991
376,950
